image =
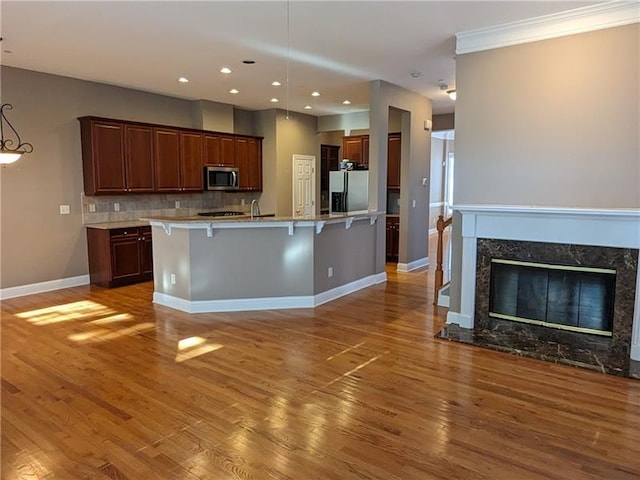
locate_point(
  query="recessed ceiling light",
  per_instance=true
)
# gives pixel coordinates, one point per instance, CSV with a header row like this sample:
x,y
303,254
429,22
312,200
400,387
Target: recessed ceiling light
x,y
248,62
274,100
225,70
234,91
276,83
183,80
308,107
346,102
315,94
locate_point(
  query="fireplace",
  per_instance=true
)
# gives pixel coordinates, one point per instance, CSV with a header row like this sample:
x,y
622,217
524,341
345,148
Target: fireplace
x,y
566,297
559,284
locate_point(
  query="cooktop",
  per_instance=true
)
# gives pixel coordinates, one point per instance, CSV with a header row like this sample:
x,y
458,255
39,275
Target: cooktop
x,y
227,213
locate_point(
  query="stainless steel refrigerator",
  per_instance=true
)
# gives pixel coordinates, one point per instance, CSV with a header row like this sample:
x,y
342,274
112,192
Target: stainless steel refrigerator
x,y
348,190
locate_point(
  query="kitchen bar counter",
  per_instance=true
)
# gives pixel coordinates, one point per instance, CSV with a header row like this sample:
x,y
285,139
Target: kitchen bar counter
x,y
205,264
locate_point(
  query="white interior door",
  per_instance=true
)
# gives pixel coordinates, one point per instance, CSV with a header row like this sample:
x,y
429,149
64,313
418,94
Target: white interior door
x,y
304,185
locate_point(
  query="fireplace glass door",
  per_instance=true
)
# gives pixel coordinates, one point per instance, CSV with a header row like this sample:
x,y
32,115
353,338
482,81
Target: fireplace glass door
x,y
567,297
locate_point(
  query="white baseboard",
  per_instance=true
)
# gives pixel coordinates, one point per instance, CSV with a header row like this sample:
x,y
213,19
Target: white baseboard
x,y
408,267
635,352
348,288
462,320
266,303
232,305
41,287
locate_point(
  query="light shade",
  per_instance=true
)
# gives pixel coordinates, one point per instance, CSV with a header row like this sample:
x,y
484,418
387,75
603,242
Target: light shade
x,y
9,157
452,94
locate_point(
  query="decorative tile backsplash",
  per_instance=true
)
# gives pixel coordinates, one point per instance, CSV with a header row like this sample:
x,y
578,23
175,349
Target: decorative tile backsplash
x,y
132,207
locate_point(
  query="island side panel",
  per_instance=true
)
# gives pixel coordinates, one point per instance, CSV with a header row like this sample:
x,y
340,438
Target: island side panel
x,y
171,255
351,253
248,262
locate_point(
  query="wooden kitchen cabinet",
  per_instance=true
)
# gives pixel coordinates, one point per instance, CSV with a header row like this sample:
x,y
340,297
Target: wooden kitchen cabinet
x,y
121,157
219,150
248,152
394,151
393,238
365,151
353,148
117,157
119,256
178,160
138,141
191,177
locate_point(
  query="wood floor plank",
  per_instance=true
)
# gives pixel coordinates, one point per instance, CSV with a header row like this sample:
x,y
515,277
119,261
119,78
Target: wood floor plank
x,y
103,384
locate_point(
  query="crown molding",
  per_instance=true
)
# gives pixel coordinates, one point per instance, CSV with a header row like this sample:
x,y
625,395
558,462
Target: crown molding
x,y
570,22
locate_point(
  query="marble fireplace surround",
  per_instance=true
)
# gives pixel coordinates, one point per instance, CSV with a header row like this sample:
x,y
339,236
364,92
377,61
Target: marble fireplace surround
x,y
618,228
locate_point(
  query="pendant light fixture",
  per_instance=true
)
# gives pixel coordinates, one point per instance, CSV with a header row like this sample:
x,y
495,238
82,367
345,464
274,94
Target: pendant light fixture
x,y
7,153
288,58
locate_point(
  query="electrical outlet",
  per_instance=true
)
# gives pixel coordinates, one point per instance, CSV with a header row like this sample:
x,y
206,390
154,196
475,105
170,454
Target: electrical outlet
x,y
173,279
177,203
242,201
64,210
414,204
330,272
116,207
92,208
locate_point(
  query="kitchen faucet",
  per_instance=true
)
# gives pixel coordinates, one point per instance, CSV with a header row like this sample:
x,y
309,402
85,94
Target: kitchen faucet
x,y
256,205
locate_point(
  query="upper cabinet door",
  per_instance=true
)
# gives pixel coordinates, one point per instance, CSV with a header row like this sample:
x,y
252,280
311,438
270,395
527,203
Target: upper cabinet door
x,y
249,160
393,160
211,149
352,148
103,156
191,174
139,158
167,159
227,151
219,150
365,150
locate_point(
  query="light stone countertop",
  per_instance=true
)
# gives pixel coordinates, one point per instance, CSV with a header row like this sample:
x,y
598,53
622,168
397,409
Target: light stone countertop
x,y
123,224
195,219
240,219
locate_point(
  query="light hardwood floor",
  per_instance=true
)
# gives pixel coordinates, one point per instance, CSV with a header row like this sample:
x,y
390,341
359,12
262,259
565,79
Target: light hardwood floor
x,y
103,384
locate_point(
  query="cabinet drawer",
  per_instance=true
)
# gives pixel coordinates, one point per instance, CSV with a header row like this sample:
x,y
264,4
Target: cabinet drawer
x,y
124,232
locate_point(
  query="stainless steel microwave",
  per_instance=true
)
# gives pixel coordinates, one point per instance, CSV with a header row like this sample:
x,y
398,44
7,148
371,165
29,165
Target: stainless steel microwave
x,y
221,178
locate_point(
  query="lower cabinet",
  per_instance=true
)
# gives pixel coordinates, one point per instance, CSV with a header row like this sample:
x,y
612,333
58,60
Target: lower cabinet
x,y
393,238
119,256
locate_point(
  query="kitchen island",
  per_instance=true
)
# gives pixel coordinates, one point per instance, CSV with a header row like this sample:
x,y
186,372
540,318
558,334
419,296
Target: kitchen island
x,y
235,264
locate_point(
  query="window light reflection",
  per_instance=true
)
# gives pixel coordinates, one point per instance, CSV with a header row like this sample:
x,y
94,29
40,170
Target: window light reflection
x,y
103,334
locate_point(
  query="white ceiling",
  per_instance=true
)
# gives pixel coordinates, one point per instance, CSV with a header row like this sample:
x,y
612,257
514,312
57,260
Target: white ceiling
x,y
336,47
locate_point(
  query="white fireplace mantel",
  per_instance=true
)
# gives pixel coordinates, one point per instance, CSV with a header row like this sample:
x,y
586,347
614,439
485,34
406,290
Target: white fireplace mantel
x,y
580,226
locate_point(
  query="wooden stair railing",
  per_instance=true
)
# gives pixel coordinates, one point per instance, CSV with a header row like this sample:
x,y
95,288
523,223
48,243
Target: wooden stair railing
x,y
441,225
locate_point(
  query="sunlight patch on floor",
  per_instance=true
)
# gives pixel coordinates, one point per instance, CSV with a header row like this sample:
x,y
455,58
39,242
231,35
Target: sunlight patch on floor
x,y
193,347
67,312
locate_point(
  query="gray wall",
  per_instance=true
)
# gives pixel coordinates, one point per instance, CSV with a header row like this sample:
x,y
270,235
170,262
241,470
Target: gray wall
x,y
561,129
416,148
351,253
39,244
444,121
436,179
551,123
267,262
297,135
